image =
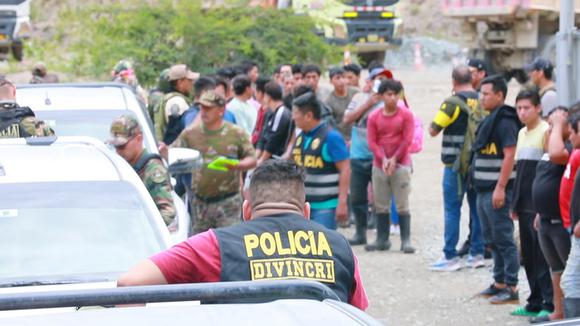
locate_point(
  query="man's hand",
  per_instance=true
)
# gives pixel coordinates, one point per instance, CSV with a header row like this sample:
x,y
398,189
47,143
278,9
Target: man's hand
x,y
498,197
537,222
559,118
392,166
514,216
373,99
577,230
163,150
341,212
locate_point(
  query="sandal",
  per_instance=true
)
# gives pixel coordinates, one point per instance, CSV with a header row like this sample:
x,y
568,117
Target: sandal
x,y
522,311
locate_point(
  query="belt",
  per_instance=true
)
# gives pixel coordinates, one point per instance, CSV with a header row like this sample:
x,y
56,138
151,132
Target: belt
x,y
215,198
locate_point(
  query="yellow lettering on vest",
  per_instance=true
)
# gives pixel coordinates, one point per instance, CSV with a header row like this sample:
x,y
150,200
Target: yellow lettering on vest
x,y
257,271
302,248
251,242
267,244
319,270
279,267
281,249
292,242
309,269
298,268
268,267
288,266
12,131
312,242
330,270
490,149
311,161
323,246
298,159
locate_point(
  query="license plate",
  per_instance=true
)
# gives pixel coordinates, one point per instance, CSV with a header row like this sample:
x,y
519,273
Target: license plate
x,y
372,38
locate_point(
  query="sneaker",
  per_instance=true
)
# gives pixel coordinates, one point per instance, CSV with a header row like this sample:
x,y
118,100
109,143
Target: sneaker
x,y
542,317
490,291
446,265
522,311
395,230
506,296
475,261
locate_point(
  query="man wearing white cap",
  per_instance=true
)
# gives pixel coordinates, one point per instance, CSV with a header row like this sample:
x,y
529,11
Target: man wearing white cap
x,y
168,112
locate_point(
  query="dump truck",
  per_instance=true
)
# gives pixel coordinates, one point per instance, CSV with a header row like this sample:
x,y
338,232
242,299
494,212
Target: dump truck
x,y
508,34
366,28
14,27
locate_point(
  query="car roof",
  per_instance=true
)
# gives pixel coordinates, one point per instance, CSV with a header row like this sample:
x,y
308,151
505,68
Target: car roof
x,y
46,159
67,96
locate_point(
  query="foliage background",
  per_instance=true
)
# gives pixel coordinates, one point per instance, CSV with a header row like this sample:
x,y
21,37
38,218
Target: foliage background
x,y
88,40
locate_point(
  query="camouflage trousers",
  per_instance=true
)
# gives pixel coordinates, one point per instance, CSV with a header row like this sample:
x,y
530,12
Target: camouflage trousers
x,y
207,215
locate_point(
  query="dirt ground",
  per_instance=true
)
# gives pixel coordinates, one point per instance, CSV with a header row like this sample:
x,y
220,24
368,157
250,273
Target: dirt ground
x,y
401,288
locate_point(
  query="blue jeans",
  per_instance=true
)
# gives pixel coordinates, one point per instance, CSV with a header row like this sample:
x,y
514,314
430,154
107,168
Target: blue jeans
x,y
454,189
498,230
326,217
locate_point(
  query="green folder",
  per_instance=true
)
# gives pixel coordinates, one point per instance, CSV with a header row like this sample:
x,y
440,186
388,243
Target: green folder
x,y
219,164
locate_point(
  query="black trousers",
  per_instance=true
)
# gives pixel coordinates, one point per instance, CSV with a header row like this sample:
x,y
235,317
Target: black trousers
x,y
537,270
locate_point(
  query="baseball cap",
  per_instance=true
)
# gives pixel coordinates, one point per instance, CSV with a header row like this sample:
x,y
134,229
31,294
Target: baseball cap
x,y
477,64
380,72
540,64
211,99
122,65
123,129
181,71
335,71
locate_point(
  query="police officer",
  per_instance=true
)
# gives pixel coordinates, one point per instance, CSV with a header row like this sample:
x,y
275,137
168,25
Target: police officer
x,y
167,115
17,121
277,241
127,137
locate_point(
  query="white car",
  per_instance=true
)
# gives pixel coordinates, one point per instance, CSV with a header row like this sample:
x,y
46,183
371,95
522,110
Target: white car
x,y
88,109
71,212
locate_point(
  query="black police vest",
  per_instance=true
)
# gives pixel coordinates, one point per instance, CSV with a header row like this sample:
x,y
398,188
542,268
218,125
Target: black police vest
x,y
10,118
321,176
286,246
454,134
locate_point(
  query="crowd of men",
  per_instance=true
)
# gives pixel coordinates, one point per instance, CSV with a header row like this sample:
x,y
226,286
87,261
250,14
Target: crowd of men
x,y
353,143
514,164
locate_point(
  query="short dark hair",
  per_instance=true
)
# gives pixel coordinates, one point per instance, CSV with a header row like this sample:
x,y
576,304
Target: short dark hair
x,y
528,95
220,81
461,75
277,181
498,84
274,90
261,84
248,65
305,101
203,84
354,68
573,120
226,72
558,108
311,68
297,69
240,83
390,85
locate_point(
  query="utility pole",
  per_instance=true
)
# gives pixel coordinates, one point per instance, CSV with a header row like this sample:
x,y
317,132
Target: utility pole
x,y
567,56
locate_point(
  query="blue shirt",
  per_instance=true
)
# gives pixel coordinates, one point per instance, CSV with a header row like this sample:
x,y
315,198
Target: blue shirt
x,y
190,114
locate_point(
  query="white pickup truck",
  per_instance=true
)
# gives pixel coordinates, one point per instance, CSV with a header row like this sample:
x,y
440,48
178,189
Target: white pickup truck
x,y
14,27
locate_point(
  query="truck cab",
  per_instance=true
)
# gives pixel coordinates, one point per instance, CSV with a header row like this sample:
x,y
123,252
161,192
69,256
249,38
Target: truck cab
x,y
14,27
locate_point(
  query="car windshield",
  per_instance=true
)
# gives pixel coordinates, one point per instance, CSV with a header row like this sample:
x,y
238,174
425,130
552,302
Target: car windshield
x,y
58,231
93,123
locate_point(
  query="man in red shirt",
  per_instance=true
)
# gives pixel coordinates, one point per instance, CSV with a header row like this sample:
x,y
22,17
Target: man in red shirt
x,y
390,135
277,241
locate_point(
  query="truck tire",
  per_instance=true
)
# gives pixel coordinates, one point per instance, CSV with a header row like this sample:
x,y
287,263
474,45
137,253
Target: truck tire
x,y
18,50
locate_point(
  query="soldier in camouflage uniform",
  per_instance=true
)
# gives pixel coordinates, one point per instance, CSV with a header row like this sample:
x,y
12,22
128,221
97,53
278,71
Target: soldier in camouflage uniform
x,y
127,137
123,72
157,94
17,121
217,201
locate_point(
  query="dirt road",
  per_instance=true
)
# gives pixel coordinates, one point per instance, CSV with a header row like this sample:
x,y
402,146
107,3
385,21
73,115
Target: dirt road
x,y
401,289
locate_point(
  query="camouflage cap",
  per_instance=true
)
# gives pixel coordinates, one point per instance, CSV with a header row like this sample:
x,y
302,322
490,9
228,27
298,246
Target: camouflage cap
x,y
211,99
123,129
122,65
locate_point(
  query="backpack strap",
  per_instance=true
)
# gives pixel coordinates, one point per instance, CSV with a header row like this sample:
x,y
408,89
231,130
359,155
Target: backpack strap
x,y
144,159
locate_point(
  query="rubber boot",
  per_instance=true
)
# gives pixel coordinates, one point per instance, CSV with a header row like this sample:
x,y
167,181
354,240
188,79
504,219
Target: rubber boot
x,y
360,219
405,225
383,227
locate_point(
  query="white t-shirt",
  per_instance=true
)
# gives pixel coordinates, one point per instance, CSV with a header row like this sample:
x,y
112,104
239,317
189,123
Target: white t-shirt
x,y
245,113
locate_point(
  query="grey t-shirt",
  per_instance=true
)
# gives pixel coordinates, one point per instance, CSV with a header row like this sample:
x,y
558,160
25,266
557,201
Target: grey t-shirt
x,y
339,104
549,101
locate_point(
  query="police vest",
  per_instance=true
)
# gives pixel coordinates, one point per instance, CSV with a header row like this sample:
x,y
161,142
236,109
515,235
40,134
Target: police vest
x,y
286,246
321,176
454,134
10,119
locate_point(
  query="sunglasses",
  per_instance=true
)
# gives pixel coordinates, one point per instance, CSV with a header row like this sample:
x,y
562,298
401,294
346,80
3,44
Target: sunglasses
x,y
122,147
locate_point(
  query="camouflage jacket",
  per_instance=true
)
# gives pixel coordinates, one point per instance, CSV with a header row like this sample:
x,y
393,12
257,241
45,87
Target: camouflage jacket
x,y
19,121
156,180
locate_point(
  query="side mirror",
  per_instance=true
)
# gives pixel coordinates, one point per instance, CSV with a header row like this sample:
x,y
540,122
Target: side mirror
x,y
183,160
